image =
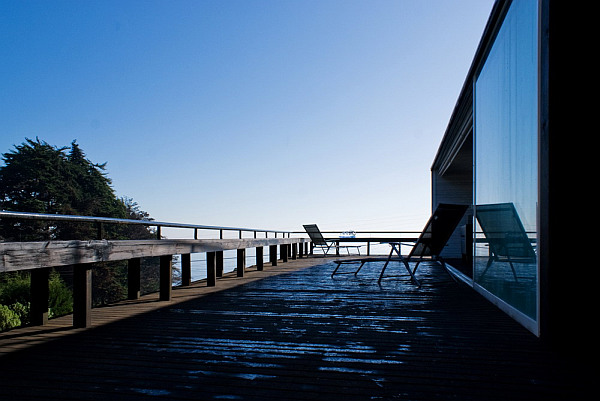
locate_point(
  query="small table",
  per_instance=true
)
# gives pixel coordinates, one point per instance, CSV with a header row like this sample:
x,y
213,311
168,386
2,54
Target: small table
x,y
368,241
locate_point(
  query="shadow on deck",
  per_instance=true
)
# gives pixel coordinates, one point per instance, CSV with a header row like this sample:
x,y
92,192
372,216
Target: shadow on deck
x,y
302,336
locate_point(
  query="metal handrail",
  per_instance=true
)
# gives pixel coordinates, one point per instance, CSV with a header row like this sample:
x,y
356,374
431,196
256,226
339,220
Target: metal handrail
x,y
110,220
365,232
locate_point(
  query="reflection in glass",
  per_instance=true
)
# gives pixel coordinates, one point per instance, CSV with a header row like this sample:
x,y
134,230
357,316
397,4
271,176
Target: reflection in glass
x,y
506,261
506,166
505,236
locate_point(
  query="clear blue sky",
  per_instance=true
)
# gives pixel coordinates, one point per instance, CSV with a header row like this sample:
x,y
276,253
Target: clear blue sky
x,y
264,114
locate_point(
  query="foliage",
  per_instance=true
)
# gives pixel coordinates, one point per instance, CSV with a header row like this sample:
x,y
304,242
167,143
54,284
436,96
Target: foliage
x,y
38,177
14,287
8,318
60,301
41,178
15,298
110,282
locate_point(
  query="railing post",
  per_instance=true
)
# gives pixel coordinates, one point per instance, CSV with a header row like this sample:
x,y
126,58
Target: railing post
x,y
158,233
100,230
186,269
241,262
133,278
82,295
211,279
259,258
219,263
273,255
166,277
38,311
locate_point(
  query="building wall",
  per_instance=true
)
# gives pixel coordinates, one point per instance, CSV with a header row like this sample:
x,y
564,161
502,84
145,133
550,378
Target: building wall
x,y
455,185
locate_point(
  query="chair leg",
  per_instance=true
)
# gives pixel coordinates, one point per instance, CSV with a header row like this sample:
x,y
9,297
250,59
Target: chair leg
x,y
336,269
513,272
385,265
360,267
412,273
443,263
489,263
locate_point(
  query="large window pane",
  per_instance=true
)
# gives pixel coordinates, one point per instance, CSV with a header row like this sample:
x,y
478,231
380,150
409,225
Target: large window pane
x,y
506,137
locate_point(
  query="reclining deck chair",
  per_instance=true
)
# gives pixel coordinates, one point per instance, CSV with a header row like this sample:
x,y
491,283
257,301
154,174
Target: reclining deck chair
x,y
428,246
325,245
505,235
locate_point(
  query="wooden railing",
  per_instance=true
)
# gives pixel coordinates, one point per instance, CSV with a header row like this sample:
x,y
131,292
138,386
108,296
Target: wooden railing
x,y
39,257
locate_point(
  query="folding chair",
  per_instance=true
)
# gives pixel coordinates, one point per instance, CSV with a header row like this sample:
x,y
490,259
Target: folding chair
x,y
505,235
428,246
320,242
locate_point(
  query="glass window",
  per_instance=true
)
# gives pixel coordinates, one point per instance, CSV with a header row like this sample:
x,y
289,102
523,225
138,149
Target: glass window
x,y
506,166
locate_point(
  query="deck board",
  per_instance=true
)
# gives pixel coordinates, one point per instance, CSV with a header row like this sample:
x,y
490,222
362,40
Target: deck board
x,y
292,333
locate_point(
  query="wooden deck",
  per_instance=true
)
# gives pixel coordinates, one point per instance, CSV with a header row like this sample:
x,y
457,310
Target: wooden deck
x,y
291,332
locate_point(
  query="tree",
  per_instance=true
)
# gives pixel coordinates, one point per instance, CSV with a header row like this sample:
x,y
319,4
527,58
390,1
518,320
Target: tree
x,y
38,177
41,178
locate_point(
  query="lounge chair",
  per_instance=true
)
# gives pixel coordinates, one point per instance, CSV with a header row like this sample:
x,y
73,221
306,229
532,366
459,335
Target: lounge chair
x,y
505,235
325,245
428,246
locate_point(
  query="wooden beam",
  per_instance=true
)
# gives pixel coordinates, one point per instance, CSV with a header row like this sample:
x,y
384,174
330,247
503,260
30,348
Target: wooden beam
x,y
16,256
219,263
166,277
186,269
38,310
241,262
82,295
283,252
260,258
273,255
133,278
211,275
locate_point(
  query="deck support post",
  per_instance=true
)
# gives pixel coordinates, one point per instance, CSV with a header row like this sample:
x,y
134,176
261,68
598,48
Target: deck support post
x,y
284,253
260,258
294,251
186,269
38,311
219,263
273,255
211,276
82,295
166,277
241,262
133,278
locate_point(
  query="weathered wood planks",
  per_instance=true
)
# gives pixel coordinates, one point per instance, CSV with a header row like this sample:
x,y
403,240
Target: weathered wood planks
x,y
300,335
33,255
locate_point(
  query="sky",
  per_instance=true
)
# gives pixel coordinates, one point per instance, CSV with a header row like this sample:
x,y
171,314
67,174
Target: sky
x,y
264,114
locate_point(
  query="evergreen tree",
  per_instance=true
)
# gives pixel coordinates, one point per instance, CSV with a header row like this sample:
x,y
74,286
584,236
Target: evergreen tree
x,y
40,178
37,177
